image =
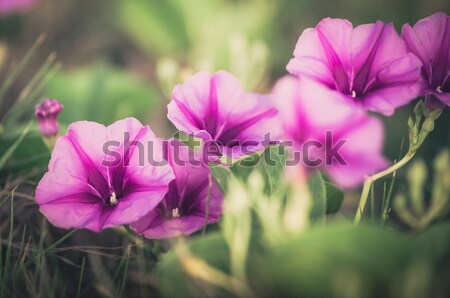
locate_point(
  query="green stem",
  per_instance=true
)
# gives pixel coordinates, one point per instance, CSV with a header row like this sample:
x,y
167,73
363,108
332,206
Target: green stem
x,y
371,179
418,132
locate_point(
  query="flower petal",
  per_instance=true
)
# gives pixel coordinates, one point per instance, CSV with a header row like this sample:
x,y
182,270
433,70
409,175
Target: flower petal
x,y
214,107
77,189
425,39
310,111
322,53
395,85
188,195
68,202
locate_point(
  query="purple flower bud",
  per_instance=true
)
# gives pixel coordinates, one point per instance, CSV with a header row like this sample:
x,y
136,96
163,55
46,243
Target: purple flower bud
x,y
46,114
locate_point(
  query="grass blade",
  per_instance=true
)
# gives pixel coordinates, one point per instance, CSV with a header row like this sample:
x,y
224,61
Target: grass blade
x,y
7,263
125,272
16,72
386,206
372,204
25,99
17,265
14,146
80,281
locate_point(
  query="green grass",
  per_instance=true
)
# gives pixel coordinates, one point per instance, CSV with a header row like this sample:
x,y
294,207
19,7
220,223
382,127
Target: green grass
x,y
38,260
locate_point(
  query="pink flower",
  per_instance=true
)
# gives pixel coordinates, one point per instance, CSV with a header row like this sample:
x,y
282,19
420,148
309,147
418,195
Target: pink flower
x,y
368,65
429,40
214,108
184,208
12,6
88,187
47,113
316,119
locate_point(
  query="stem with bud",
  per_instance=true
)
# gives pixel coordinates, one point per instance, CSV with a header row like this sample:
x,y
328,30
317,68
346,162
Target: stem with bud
x,y
418,132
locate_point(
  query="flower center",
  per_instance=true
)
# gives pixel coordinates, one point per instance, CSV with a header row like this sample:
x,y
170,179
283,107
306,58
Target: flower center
x,y
113,199
439,89
353,93
175,213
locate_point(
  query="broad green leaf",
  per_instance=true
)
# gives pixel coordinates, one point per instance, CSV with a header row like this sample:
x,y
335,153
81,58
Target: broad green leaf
x,y
270,164
434,243
430,270
335,196
342,260
244,166
318,193
220,175
333,261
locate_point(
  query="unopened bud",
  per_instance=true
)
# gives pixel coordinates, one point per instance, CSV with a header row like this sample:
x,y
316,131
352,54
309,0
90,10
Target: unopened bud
x,y
47,114
428,125
419,109
410,123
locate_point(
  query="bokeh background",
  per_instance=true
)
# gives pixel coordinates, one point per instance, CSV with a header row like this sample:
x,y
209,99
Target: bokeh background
x,y
110,59
123,58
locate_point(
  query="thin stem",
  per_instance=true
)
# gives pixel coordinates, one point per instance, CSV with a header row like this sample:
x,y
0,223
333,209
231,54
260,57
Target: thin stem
x,y
207,203
371,179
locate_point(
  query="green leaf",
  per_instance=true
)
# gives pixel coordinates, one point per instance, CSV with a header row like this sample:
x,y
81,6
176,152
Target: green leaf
x,y
335,196
318,192
342,260
434,243
333,261
270,164
244,166
211,248
220,175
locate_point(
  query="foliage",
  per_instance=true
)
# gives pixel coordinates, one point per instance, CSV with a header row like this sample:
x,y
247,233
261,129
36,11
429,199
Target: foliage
x,y
185,36
282,234
101,93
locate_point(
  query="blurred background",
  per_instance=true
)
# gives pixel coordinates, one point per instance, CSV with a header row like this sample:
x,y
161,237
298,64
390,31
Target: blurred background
x,y
110,59
123,58
106,60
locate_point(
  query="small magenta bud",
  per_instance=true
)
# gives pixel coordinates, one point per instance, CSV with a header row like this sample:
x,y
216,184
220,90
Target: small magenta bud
x,y
47,114
433,107
433,104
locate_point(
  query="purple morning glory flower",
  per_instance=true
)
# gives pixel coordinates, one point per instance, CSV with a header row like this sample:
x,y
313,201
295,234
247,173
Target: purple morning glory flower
x,y
47,113
330,133
429,40
369,65
214,107
12,6
87,188
184,208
